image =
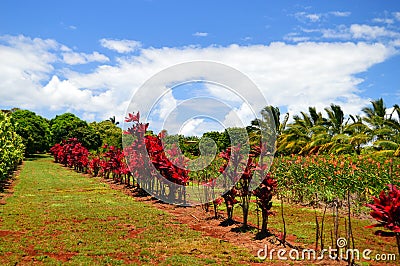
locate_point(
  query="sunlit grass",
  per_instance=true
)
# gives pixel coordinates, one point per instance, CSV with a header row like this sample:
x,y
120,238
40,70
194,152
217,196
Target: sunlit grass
x,y
59,216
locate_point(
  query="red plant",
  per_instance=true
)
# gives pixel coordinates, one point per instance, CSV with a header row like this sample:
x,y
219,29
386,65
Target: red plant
x,y
113,162
55,150
230,201
264,195
386,210
147,149
71,153
94,165
232,171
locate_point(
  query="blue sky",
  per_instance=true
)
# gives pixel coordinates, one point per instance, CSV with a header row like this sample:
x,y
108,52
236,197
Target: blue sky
x,y
89,57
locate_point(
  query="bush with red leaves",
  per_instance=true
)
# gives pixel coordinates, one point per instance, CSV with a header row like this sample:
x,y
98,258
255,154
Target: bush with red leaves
x,y
264,195
148,149
71,153
386,210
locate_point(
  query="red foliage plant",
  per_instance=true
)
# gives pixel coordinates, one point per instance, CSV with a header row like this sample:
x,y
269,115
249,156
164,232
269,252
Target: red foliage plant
x,y
386,210
147,158
264,195
71,153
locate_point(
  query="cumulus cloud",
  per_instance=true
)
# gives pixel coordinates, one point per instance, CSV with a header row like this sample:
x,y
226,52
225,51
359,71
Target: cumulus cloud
x,y
191,127
166,105
120,46
240,117
295,76
24,64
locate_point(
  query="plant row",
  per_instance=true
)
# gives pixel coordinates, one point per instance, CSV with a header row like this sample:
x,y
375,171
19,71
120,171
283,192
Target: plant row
x,y
162,171
324,178
11,147
109,162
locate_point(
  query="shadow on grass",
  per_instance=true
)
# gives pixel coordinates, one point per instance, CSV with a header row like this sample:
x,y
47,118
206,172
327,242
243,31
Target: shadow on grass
x,y
244,229
34,157
6,184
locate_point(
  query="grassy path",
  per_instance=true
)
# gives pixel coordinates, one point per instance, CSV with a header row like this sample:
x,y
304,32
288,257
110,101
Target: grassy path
x,y
57,216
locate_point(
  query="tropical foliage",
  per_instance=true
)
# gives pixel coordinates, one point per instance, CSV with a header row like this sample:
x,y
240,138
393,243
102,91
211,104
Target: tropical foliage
x,y
68,125
33,129
11,146
377,131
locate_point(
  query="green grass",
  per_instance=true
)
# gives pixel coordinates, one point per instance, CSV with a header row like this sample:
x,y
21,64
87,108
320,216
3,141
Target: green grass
x,y
57,216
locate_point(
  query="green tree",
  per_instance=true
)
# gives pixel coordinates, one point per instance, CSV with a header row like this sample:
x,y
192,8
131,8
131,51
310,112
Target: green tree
x,y
216,137
109,133
33,129
68,125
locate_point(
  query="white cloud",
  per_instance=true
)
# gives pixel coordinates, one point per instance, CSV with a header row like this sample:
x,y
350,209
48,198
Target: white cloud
x,y
189,128
383,20
396,15
166,105
223,93
359,32
240,117
340,32
303,16
24,64
295,37
121,46
293,75
371,32
313,17
73,58
340,13
200,34
63,94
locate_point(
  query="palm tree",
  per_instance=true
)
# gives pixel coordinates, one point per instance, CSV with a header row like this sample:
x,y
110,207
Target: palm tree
x,y
270,125
385,129
375,115
297,137
359,134
113,120
335,119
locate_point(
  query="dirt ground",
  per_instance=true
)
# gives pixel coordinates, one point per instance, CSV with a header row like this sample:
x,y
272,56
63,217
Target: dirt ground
x,y
200,220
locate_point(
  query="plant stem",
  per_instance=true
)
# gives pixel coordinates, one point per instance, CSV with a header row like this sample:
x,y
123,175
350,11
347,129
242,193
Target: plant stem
x,y
284,224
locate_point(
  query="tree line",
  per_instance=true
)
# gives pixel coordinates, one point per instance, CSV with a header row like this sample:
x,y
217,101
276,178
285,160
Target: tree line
x,y
375,131
312,132
39,134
